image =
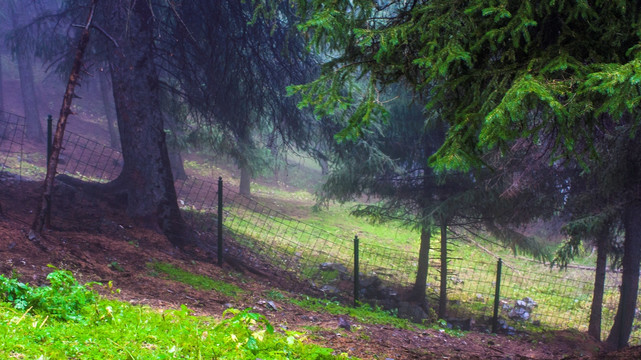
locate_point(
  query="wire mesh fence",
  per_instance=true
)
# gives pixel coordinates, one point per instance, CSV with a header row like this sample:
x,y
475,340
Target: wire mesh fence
x,y
12,132
309,253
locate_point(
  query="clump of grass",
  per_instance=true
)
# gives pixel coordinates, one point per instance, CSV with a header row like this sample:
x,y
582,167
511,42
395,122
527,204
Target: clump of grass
x,y
115,330
198,282
364,313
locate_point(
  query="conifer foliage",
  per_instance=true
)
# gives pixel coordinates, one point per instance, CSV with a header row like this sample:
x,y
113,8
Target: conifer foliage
x,y
496,71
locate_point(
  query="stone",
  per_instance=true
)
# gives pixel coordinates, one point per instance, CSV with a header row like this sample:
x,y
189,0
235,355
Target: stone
x,y
412,312
460,324
342,271
522,309
330,290
343,323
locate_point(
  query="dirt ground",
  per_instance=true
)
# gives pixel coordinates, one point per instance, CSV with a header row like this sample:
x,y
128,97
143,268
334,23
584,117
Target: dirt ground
x,y
90,250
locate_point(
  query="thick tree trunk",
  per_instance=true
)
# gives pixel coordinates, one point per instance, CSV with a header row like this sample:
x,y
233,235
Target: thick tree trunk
x,y
245,180
418,291
620,332
103,79
594,328
146,176
442,300
24,57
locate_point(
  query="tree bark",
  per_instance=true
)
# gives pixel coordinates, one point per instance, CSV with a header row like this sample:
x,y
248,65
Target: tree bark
x,y
24,57
42,212
103,78
418,291
146,177
1,87
245,180
620,332
442,300
594,327
176,160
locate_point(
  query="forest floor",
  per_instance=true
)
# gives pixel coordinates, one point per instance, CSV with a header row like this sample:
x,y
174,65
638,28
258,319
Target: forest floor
x,y
118,250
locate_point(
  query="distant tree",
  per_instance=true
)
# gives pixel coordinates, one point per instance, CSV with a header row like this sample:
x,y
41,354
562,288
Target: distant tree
x,y
2,108
24,54
236,73
107,100
390,162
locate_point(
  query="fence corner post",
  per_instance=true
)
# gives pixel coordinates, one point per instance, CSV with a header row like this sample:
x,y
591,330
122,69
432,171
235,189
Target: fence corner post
x,y
356,272
497,296
220,221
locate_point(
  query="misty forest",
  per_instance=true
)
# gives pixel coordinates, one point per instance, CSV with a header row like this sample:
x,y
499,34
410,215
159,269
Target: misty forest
x,y
311,179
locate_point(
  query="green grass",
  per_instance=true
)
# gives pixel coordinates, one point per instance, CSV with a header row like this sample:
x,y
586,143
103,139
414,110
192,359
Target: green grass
x,y
110,329
364,313
563,297
198,282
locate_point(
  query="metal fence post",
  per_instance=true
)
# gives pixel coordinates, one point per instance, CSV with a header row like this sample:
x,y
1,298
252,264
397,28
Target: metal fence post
x,y
357,284
497,295
49,133
220,221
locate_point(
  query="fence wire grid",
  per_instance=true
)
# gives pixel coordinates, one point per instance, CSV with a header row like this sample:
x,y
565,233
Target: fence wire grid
x,y
559,299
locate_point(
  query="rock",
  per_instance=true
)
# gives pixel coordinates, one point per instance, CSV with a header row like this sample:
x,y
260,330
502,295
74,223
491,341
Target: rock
x,y
343,323
369,281
272,305
412,312
522,309
342,271
269,305
330,290
460,324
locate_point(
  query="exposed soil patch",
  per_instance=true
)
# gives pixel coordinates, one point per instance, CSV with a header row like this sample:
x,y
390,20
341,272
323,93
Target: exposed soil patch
x,y
112,248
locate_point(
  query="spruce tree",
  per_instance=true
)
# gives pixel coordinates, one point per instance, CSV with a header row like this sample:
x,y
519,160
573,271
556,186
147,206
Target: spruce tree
x,y
496,71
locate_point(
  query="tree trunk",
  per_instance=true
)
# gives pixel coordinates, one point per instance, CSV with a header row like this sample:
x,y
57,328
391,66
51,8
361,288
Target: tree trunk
x,y
620,332
272,144
594,328
146,176
43,211
24,57
442,300
2,109
103,79
245,180
177,167
176,160
1,87
418,291
324,166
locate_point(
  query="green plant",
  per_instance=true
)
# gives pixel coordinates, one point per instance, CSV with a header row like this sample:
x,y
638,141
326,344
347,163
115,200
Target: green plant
x,y
442,326
118,330
275,295
65,298
114,265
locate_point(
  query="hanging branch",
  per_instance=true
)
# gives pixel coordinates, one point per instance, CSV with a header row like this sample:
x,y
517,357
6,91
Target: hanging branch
x,y
43,212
